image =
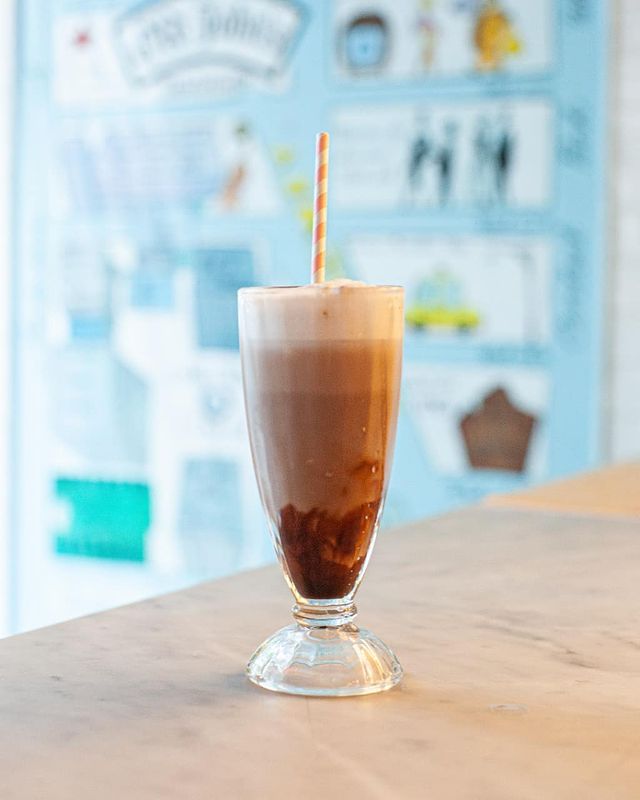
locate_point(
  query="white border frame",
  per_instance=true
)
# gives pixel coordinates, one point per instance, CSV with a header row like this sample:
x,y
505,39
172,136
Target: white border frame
x,y
8,56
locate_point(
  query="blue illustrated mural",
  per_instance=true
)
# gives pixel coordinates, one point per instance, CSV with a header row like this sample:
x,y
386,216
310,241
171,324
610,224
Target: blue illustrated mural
x,y
466,164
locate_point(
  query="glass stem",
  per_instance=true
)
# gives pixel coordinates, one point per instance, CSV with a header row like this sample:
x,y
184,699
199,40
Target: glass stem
x,y
325,616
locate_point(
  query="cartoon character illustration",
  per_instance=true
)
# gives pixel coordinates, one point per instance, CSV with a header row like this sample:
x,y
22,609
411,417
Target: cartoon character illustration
x,y
503,156
427,33
445,158
438,305
237,175
423,165
245,181
365,43
494,37
493,157
431,163
421,151
481,178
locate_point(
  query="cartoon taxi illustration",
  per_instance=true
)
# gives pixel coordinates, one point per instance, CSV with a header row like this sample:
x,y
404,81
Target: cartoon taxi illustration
x,y
438,306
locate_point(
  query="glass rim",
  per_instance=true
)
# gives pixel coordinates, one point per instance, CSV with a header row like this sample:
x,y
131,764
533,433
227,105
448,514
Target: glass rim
x,y
369,287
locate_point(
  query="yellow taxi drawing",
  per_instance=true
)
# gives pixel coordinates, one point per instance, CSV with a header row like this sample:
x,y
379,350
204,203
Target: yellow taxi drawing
x,y
437,306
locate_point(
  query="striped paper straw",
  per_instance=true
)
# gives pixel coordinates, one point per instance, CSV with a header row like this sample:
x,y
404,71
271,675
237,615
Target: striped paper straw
x,y
319,246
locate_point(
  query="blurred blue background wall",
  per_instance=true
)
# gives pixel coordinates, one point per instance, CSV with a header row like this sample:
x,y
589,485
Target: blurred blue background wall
x,y
164,157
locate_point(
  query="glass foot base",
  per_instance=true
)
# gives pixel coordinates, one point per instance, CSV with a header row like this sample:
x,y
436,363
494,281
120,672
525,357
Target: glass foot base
x,y
324,661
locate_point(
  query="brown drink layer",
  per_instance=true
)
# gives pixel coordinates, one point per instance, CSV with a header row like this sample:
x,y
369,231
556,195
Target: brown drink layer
x,y
322,420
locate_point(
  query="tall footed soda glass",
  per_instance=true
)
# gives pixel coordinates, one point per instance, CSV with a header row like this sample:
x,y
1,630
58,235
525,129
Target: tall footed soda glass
x,y
321,369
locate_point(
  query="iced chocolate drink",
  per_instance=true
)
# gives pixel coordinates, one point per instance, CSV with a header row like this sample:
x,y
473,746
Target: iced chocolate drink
x,y
321,368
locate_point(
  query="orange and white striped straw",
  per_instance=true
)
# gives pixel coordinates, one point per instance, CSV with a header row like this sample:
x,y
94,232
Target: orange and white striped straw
x,y
319,245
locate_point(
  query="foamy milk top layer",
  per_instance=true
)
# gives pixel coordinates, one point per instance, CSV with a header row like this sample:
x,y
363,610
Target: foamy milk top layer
x,y
335,310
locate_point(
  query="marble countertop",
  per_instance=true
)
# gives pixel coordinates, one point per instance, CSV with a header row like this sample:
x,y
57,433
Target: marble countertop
x,y
519,632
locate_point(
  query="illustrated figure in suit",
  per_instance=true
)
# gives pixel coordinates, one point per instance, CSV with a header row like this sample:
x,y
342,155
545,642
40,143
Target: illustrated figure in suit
x,y
421,153
445,160
503,158
482,177
493,158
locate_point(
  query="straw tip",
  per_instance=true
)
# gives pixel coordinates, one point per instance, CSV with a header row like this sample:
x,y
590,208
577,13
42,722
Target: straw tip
x,y
322,136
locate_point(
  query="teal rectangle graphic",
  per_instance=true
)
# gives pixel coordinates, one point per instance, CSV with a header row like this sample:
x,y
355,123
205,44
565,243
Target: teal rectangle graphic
x,y
107,519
